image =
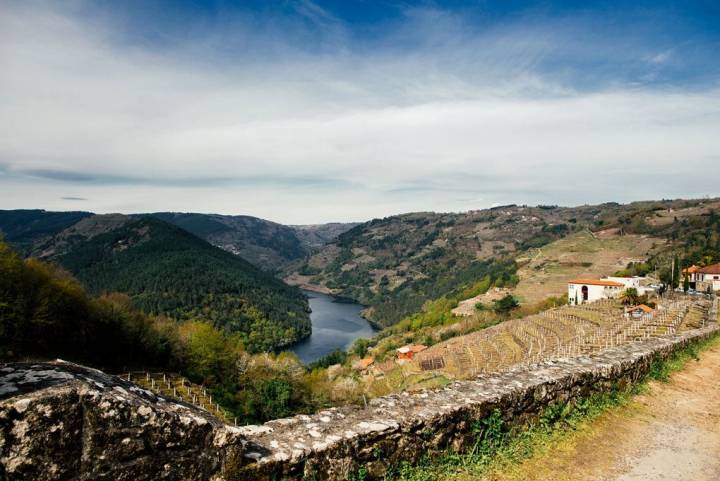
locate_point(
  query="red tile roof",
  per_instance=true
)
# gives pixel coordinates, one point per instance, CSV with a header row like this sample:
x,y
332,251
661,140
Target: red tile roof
x,y
642,307
597,282
365,363
713,269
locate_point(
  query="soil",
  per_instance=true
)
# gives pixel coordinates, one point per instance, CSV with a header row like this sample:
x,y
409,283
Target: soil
x,y
670,433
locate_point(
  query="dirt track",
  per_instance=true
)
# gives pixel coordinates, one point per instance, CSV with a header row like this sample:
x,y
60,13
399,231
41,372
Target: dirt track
x,y
672,433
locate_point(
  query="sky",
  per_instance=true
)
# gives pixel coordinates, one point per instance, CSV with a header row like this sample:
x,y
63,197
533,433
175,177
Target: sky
x,y
304,111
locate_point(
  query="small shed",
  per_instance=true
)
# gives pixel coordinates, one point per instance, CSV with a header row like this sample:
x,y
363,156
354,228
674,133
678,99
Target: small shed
x,y
407,352
365,363
639,311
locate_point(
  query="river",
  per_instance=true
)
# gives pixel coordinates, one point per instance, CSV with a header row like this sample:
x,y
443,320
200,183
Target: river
x,y
335,325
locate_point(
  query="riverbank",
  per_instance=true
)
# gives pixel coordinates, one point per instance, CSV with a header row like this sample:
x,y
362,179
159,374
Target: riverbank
x,y
304,283
336,324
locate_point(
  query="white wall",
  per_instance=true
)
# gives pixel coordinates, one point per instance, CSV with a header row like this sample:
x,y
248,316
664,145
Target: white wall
x,y
595,293
628,282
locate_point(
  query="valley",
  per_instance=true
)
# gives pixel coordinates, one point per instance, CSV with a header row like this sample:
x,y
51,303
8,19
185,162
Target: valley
x,y
170,302
433,280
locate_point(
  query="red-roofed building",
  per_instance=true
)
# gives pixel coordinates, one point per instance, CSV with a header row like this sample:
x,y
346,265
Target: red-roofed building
x,y
407,352
640,311
708,278
581,291
365,363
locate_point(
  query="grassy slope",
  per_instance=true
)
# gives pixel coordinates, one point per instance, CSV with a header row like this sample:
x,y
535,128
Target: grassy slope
x,y
396,264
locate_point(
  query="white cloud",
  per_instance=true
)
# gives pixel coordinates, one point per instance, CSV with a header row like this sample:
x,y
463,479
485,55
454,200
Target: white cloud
x,y
334,136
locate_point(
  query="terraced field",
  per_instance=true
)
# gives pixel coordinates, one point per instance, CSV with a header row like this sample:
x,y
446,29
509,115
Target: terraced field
x,y
561,332
545,271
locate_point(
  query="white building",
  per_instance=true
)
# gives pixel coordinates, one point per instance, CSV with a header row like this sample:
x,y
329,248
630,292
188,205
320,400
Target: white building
x,y
708,278
581,291
628,282
634,282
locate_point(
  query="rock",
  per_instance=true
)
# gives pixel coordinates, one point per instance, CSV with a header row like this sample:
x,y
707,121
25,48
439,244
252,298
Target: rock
x,y
64,421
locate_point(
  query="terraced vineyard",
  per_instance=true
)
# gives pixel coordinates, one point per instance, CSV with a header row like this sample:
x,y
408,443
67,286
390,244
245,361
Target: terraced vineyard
x,y
177,387
561,332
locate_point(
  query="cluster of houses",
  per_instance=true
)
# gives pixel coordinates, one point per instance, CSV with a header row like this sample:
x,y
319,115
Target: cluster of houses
x,y
580,291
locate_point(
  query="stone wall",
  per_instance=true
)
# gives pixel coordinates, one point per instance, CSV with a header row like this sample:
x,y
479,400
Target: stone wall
x,y
404,427
67,422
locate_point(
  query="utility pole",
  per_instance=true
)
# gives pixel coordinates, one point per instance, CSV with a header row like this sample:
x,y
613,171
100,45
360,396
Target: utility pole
x,y
672,273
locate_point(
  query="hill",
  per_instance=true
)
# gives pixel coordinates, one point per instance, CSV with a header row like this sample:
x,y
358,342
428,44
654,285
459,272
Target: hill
x,y
25,227
168,271
265,244
396,264
268,245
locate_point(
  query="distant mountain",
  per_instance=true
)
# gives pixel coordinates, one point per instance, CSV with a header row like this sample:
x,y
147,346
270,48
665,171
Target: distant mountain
x,y
266,244
314,236
25,227
166,270
263,243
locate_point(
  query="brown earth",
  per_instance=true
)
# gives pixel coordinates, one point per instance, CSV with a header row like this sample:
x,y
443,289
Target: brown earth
x,y
671,433
546,271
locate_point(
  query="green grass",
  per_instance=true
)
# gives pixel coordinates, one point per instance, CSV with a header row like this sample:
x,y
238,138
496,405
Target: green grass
x,y
498,445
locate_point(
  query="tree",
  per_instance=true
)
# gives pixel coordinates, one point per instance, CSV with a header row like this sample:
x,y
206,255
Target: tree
x,y
506,304
630,296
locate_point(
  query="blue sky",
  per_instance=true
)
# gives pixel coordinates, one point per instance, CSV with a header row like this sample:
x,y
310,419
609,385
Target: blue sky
x,y
305,112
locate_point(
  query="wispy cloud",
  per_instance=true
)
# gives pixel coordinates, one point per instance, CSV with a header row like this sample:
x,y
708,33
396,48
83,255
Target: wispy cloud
x,y
431,112
74,198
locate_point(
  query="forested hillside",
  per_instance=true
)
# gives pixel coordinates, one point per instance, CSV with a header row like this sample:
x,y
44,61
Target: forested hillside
x,y
166,270
265,244
46,314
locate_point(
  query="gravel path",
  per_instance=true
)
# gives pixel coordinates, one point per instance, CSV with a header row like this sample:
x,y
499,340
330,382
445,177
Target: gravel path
x,y
672,433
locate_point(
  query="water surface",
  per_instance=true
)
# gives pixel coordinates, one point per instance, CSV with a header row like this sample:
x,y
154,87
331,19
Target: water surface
x,y
335,325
